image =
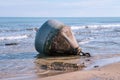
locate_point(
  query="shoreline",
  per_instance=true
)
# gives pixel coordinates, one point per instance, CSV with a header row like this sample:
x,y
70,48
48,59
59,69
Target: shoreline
x,y
107,69
108,72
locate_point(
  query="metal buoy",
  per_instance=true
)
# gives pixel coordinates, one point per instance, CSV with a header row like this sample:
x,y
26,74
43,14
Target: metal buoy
x,y
56,38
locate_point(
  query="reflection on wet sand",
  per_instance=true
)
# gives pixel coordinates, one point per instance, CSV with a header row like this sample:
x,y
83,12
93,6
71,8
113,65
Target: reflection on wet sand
x,y
48,66
25,65
28,67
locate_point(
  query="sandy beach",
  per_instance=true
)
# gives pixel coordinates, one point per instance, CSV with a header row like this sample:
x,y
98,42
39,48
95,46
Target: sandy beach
x,y
109,72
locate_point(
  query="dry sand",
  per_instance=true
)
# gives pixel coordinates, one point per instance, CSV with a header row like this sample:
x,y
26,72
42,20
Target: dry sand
x,y
109,72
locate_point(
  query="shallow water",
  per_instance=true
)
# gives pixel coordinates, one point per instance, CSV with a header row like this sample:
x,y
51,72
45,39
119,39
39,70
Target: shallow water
x,y
99,36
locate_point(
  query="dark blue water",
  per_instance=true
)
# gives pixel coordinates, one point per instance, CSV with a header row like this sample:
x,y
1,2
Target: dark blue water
x,y
66,20
98,35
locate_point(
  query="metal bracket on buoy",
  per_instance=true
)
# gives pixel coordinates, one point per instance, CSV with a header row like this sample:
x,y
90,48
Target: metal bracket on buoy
x,y
85,54
78,51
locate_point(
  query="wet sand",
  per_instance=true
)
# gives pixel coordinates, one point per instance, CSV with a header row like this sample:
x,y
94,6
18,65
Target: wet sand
x,y
99,67
109,72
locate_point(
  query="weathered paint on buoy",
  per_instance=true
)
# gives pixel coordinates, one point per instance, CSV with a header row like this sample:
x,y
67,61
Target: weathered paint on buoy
x,y
56,38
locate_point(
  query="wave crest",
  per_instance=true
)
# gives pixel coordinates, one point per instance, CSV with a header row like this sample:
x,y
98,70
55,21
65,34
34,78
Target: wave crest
x,y
95,26
14,37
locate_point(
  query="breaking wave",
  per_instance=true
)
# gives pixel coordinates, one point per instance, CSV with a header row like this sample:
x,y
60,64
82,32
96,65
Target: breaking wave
x,y
95,26
85,41
18,30
14,37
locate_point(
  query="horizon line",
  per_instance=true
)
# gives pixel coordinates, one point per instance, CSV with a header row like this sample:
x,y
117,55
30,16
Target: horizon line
x,y
55,16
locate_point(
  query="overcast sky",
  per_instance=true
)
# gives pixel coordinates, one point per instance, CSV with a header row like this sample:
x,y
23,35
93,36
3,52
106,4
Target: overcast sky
x,y
60,8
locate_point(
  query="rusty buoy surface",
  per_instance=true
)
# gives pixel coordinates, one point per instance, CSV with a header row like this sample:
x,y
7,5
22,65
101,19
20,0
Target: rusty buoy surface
x,y
56,38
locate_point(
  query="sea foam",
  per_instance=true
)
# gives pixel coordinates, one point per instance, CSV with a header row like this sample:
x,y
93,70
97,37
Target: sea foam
x,y
95,26
14,37
85,41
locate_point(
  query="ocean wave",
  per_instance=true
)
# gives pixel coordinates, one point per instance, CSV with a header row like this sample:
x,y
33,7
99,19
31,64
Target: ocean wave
x,y
77,27
95,26
14,37
85,41
16,30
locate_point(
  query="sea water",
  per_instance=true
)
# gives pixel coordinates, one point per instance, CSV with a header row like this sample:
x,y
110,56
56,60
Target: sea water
x,y
97,35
